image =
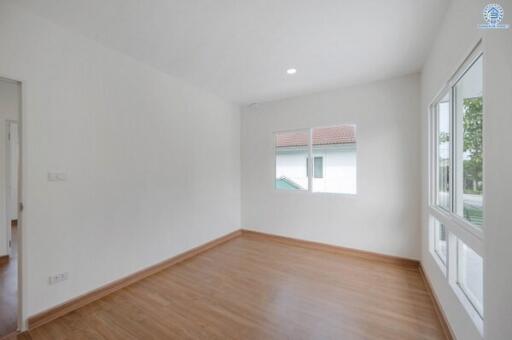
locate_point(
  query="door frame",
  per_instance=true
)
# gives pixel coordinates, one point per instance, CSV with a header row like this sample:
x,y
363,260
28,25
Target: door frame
x,y
20,229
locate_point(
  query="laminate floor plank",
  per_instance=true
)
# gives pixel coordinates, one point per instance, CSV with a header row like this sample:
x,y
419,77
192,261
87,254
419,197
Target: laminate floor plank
x,y
252,288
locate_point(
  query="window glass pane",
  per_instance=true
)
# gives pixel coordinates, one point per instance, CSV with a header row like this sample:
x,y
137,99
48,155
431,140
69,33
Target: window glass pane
x,y
337,148
443,153
468,104
319,167
292,152
470,276
440,241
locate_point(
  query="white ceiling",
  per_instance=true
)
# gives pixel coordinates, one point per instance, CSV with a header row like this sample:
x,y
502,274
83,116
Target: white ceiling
x,y
240,49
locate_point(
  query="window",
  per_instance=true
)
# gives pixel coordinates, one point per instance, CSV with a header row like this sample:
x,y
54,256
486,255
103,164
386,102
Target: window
x,y
319,167
470,275
333,151
468,108
456,184
443,153
292,151
337,147
440,242
459,165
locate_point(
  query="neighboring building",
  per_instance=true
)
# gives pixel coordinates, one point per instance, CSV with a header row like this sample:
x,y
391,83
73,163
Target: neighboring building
x,y
334,154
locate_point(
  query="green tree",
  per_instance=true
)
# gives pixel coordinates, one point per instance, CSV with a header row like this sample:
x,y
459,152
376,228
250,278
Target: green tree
x,y
473,142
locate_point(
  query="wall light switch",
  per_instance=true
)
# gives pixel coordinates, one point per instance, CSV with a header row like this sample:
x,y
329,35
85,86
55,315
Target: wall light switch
x,y
57,278
57,177
61,176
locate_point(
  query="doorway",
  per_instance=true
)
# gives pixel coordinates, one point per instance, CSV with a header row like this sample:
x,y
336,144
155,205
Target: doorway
x,y
10,111
13,155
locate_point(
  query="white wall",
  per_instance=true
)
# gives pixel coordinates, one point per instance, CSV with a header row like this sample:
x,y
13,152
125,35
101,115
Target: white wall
x,y
456,38
498,182
134,143
384,215
9,109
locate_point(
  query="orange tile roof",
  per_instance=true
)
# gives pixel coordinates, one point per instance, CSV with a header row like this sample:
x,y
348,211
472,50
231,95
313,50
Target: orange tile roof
x,y
344,134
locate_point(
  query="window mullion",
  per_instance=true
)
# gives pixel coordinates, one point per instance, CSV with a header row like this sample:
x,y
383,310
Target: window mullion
x,y
453,137
311,161
435,155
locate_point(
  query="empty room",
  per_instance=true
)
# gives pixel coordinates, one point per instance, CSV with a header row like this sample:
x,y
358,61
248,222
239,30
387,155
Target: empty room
x,y
255,169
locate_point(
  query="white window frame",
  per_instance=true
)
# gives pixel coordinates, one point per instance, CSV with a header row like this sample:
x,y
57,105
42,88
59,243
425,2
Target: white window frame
x,y
457,228
310,161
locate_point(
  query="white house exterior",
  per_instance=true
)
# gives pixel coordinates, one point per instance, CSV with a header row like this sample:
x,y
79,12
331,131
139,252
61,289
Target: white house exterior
x,y
334,154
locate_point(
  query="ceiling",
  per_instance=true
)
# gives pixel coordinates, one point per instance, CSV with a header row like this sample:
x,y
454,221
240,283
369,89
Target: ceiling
x,y
241,49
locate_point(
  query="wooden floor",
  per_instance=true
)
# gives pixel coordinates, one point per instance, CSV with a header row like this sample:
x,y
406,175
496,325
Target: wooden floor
x,y
252,288
8,291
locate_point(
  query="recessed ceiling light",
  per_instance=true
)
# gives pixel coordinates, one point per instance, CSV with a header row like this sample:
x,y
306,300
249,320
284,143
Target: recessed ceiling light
x,y
291,71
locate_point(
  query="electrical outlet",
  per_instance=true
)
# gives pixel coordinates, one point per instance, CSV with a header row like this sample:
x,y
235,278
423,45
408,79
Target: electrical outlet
x,y
57,278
